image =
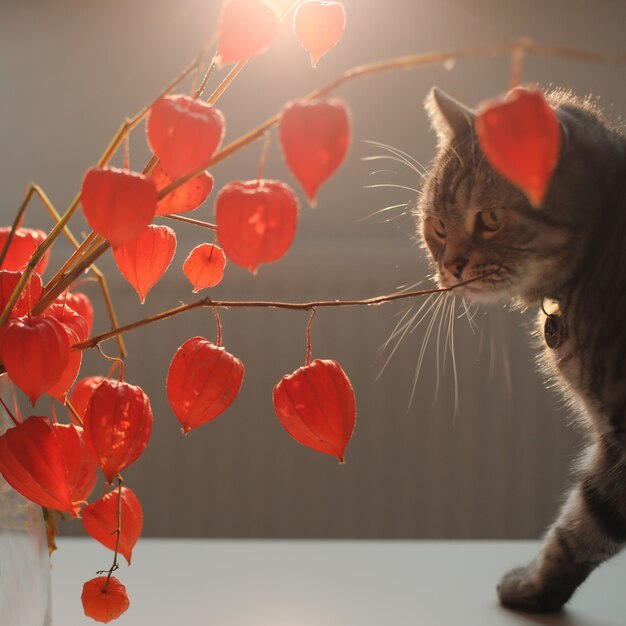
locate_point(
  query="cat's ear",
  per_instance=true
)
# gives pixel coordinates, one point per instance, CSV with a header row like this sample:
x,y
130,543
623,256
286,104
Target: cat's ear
x,y
448,116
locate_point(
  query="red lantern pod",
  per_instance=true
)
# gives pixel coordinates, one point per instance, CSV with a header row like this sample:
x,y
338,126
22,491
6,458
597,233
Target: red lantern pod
x,y
104,599
35,351
188,197
521,138
28,298
100,521
69,318
247,27
314,136
317,407
256,221
184,133
81,392
203,380
80,465
25,241
144,260
318,25
33,462
118,204
118,423
204,267
81,304
68,376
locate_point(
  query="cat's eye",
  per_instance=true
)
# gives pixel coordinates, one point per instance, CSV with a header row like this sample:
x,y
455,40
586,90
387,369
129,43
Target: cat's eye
x,y
439,227
491,219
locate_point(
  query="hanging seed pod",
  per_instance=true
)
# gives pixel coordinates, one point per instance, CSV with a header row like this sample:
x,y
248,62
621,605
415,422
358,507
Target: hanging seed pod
x,y
104,599
68,376
143,260
187,197
256,221
46,463
317,407
80,465
184,133
521,138
118,204
203,380
318,25
118,423
314,137
100,521
247,27
25,241
35,351
81,304
81,392
204,267
69,318
28,297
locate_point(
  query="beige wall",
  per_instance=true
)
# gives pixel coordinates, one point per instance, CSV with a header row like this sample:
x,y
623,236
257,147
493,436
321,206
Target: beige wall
x,y
70,71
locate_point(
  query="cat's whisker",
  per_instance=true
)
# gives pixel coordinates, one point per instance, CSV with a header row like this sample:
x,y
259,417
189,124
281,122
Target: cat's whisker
x,y
386,209
469,315
440,302
506,360
405,158
453,358
438,351
389,157
378,185
409,287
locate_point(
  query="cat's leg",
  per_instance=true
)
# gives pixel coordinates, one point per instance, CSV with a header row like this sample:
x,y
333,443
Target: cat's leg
x,y
591,528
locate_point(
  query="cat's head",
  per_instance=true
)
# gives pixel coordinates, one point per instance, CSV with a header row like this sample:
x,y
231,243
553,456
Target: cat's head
x,y
473,222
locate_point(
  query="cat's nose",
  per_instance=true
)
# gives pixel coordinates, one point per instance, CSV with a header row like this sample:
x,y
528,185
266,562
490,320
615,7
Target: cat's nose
x,y
456,266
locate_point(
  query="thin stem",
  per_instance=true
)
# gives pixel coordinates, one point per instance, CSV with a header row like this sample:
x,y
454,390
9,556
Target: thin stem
x,y
16,222
218,323
190,220
263,156
308,337
9,412
116,361
92,342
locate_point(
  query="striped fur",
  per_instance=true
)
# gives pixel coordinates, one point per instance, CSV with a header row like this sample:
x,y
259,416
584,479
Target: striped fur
x,y
571,252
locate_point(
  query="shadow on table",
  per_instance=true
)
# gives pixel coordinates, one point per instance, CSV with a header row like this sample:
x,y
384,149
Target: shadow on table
x,y
563,618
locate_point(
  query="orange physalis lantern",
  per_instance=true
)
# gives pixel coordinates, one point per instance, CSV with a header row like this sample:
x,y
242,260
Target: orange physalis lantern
x,y
202,382
317,407
35,351
81,467
144,260
100,520
118,204
21,248
256,221
318,25
70,318
187,197
118,423
204,267
314,136
521,138
184,133
47,463
247,27
81,392
104,599
28,298
81,304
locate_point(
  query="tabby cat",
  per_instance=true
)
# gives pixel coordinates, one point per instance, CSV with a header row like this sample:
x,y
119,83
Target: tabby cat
x,y
568,259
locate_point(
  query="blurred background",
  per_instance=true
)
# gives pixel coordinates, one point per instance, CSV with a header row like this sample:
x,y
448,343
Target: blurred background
x,y
474,447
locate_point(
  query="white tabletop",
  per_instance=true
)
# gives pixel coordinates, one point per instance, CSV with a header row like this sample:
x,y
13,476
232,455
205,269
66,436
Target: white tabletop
x,y
323,583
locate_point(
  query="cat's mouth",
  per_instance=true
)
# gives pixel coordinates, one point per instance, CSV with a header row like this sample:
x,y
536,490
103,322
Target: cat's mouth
x,y
488,286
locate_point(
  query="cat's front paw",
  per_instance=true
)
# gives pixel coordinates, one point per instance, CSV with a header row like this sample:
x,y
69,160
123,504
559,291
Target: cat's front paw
x,y
520,590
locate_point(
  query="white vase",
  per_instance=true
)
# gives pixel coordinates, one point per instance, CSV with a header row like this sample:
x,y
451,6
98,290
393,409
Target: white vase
x,y
24,561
